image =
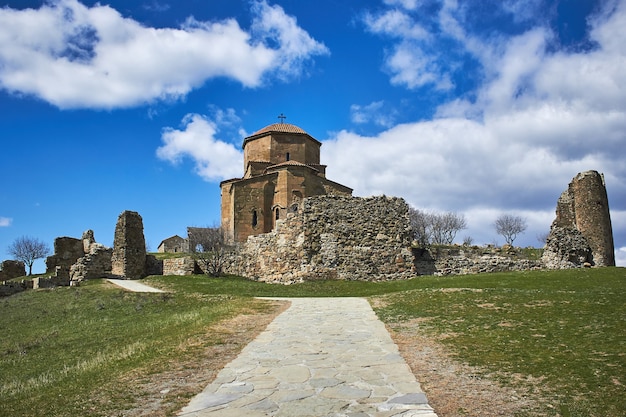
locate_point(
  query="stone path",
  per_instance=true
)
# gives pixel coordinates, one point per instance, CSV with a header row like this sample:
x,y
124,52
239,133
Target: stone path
x,y
133,285
321,357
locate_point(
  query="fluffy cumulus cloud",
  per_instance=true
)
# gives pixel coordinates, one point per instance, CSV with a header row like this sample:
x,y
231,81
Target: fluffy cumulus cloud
x,y
73,56
215,159
539,115
5,221
411,60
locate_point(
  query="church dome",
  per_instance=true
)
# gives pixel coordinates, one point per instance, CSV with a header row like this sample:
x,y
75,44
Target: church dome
x,y
280,127
287,128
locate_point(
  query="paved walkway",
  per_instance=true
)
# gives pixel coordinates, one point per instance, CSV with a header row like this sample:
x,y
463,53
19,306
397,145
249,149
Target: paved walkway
x,y
133,285
321,357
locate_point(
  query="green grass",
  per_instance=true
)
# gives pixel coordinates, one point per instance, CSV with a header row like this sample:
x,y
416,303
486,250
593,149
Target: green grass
x,y
169,255
59,347
237,286
566,330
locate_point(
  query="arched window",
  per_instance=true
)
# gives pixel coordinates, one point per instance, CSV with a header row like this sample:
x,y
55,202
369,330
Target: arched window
x,y
287,156
255,218
277,213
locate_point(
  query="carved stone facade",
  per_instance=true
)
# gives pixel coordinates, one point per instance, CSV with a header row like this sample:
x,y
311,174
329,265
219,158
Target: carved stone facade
x,y
281,168
332,237
582,232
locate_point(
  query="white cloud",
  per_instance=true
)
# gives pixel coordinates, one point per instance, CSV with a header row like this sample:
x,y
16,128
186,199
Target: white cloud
x,y
620,256
396,24
376,112
407,4
539,118
76,56
5,221
296,45
214,159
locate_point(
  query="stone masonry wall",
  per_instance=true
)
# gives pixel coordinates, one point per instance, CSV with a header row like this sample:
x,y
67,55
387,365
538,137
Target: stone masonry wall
x,y
582,233
471,260
129,247
67,250
10,269
332,237
180,266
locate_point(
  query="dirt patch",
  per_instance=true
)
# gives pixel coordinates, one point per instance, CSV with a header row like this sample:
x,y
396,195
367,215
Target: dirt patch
x,y
455,389
164,393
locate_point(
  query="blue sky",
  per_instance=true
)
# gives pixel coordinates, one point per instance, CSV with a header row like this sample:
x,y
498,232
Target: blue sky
x,y
478,107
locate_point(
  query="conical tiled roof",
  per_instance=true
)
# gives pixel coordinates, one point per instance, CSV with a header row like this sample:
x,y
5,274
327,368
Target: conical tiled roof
x,y
280,127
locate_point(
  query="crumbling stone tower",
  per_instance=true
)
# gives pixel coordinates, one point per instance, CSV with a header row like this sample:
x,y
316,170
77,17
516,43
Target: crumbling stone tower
x,y
582,230
129,247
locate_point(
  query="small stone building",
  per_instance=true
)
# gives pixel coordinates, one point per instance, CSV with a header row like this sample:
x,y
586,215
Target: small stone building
x,y
173,244
281,168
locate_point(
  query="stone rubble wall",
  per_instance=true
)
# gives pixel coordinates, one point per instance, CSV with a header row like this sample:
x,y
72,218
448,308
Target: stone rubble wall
x,y
332,237
8,288
471,260
180,266
10,269
93,265
154,266
67,250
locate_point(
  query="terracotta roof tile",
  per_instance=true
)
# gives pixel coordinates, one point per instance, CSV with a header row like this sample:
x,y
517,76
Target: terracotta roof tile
x,y
280,127
292,164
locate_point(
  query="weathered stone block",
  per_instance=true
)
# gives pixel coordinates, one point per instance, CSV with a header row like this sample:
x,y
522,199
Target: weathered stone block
x,y
129,247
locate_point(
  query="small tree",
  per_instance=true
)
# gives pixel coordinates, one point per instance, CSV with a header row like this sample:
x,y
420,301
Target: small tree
x,y
509,227
421,226
435,228
445,226
209,249
28,249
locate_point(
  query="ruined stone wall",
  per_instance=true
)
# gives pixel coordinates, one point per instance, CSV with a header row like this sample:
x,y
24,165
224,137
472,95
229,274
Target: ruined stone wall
x,y
10,269
332,237
93,265
180,266
67,250
8,288
581,233
464,260
129,247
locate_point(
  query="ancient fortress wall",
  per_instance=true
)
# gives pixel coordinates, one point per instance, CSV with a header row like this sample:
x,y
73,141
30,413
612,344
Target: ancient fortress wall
x,y
463,260
332,237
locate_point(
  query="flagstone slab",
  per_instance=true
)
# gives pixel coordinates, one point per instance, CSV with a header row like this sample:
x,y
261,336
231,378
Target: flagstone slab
x,y
320,357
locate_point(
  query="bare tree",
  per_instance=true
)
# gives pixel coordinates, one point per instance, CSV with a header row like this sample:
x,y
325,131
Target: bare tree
x,y
543,237
435,228
445,227
208,248
509,227
28,249
421,226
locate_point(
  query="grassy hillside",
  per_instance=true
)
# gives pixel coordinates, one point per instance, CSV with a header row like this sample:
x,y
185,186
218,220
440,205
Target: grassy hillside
x,y
61,347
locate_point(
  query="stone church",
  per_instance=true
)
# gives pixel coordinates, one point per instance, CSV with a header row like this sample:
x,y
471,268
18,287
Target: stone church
x,y
281,167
